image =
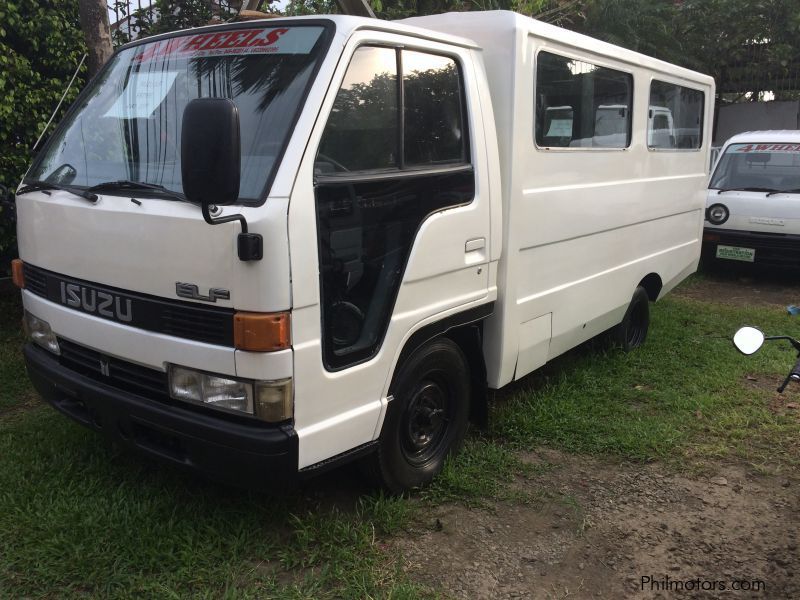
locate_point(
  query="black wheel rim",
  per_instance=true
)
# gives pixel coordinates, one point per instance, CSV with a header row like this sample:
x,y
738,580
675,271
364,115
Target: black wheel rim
x,y
637,328
426,421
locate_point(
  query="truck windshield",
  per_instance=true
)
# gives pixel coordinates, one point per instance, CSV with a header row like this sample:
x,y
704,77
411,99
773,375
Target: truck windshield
x,y
758,167
128,124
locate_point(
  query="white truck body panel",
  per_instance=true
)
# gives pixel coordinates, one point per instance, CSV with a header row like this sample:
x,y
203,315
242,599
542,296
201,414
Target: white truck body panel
x,y
581,227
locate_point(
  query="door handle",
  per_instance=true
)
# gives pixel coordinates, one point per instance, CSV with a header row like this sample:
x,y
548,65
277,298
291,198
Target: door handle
x,y
475,244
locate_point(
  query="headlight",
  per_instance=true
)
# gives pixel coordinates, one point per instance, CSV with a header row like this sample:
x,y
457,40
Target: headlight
x,y
212,390
717,214
40,333
272,400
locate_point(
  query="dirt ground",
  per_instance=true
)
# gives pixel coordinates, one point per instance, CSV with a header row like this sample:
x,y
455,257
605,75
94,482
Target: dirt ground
x,y
617,531
745,289
598,529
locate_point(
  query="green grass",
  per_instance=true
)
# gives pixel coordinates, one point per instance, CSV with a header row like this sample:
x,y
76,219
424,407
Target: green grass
x,y
683,394
13,382
80,518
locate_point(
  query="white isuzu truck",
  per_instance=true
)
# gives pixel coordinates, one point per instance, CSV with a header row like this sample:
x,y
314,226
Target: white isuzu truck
x,y
259,249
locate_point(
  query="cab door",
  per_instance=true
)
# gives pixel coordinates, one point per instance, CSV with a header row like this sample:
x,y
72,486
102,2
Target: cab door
x,y
389,227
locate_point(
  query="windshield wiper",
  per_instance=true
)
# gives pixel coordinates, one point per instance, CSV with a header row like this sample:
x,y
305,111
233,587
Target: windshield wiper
x,y
127,184
747,189
791,191
43,186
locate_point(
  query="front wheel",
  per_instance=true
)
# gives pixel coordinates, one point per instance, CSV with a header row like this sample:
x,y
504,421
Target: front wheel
x,y
632,331
426,420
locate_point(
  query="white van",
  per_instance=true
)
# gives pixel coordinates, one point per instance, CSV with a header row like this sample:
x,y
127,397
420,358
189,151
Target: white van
x,y
753,204
261,249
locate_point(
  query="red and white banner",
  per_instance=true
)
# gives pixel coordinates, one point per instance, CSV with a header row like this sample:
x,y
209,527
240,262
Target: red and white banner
x,y
280,40
779,147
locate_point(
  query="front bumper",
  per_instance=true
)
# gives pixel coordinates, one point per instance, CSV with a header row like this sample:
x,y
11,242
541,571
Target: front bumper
x,y
771,249
251,455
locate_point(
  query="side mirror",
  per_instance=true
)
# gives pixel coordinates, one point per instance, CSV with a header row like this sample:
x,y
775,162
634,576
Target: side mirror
x,y
211,151
211,158
748,340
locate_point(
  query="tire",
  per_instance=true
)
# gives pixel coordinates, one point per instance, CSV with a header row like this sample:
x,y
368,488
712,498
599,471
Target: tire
x,y
632,331
425,421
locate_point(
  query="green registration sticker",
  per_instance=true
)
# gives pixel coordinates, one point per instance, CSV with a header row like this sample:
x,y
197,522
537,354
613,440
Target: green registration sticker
x,y
736,253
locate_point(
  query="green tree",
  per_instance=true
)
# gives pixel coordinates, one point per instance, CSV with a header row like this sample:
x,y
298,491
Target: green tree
x,y
646,26
747,46
162,16
40,47
560,12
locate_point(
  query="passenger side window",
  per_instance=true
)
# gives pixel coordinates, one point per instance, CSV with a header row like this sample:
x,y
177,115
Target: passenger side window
x,y
675,117
361,133
365,132
432,110
581,105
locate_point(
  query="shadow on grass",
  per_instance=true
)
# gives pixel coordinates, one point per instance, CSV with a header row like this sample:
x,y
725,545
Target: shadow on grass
x,y
83,516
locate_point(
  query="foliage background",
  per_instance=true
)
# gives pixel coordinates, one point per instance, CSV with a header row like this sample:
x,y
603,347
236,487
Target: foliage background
x,y
41,44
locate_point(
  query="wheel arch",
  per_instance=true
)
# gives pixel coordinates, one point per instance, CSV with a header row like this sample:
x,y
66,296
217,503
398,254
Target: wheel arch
x,y
652,284
466,330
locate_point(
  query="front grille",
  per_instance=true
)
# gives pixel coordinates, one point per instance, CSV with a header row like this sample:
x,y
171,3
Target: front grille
x,y
209,324
35,280
772,249
123,375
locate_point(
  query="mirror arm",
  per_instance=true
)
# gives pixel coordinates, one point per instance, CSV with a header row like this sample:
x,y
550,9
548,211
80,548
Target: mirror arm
x,y
791,340
212,221
785,383
250,245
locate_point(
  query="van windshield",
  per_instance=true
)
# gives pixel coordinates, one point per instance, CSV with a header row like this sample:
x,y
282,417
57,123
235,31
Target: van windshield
x,y
759,167
128,124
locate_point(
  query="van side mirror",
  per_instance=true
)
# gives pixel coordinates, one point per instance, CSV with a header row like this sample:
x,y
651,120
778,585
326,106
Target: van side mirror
x,y
211,152
748,340
211,158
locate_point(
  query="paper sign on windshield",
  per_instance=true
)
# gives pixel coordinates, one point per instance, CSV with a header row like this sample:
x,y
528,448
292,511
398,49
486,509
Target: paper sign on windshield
x,y
282,40
142,94
560,128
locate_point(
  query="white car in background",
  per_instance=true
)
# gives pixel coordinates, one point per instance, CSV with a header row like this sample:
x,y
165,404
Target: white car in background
x,y
753,204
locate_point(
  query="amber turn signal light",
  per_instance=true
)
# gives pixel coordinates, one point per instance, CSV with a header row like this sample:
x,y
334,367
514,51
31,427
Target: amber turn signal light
x,y
17,274
261,332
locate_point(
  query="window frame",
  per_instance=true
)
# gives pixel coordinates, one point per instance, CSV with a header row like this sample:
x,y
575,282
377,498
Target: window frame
x,y
596,63
402,169
702,117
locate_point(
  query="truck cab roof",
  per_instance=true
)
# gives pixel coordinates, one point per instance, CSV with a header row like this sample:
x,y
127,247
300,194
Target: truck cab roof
x,y
771,136
345,25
